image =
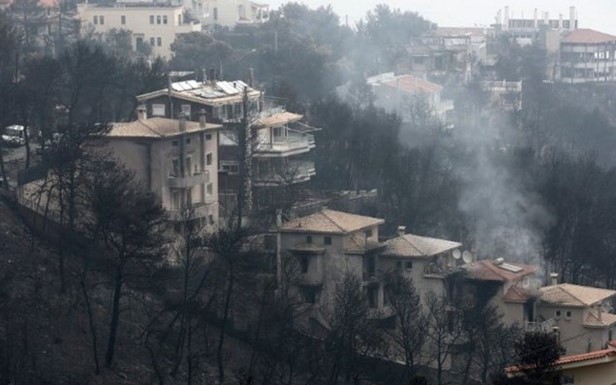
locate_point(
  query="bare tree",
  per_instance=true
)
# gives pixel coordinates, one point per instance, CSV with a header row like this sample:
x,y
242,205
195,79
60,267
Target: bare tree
x,y
129,224
410,333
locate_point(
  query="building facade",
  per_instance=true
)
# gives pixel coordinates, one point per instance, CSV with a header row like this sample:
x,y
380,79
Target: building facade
x,y
151,24
587,56
176,159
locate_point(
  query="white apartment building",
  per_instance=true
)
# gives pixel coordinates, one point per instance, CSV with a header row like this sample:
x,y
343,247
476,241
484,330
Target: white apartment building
x,y
156,25
587,56
229,13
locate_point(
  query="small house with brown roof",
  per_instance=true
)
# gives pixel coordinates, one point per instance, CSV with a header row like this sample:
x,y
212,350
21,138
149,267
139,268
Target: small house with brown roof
x,y
587,56
328,244
593,368
510,287
582,315
176,159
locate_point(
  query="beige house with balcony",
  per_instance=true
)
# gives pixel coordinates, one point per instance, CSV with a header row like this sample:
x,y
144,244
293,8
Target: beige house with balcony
x,y
582,315
153,24
176,159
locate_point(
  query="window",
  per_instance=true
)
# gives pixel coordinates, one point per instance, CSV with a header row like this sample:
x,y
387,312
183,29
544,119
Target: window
x,y
208,137
399,265
152,41
278,132
187,140
158,110
215,13
123,20
368,233
175,199
179,19
158,19
151,19
557,314
159,41
186,109
210,219
188,165
568,314
210,189
102,19
327,240
303,262
373,293
175,167
95,19
309,239
165,19
408,265
208,159
174,143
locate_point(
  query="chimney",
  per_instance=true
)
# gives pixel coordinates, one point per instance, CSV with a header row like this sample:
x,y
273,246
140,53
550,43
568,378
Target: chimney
x,y
401,230
204,75
142,112
202,118
554,277
571,18
278,218
251,79
506,21
182,119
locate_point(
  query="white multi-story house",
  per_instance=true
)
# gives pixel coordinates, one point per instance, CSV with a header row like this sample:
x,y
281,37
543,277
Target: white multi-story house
x,y
278,143
176,159
587,56
153,24
229,13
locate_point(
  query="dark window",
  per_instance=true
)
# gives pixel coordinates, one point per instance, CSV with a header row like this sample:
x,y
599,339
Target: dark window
x,y
122,19
174,143
208,159
164,19
151,19
208,137
408,265
368,233
309,239
159,41
95,19
327,240
371,265
158,19
557,313
303,262
187,140
373,293
152,41
102,19
568,314
399,264
215,13
270,242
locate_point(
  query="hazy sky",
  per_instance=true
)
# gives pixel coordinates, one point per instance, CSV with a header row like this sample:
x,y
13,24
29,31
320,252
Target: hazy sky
x,y
596,14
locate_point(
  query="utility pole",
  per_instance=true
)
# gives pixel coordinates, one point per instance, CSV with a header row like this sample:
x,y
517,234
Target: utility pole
x,y
244,137
275,42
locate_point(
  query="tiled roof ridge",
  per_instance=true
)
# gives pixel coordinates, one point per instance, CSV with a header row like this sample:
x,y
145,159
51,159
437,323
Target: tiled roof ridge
x,y
324,212
569,293
404,237
609,351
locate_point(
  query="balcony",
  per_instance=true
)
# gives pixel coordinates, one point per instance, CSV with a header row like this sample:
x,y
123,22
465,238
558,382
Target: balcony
x,y
195,178
293,172
545,326
201,210
383,312
295,143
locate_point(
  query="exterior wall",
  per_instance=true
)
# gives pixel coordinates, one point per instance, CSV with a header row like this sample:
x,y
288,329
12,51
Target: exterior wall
x,y
582,63
145,23
152,161
598,374
228,13
575,337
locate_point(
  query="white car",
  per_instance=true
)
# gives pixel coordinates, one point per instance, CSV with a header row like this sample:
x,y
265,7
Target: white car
x,y
14,135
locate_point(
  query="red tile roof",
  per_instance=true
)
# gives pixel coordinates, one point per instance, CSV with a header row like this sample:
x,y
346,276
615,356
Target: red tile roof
x,y
564,360
330,221
588,36
517,294
487,270
414,84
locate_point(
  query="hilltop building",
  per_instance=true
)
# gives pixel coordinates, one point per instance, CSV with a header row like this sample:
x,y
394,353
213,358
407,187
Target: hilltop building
x,y
153,24
587,56
227,13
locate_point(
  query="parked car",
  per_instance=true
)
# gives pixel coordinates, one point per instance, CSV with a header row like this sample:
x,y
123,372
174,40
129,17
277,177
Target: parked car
x,y
14,135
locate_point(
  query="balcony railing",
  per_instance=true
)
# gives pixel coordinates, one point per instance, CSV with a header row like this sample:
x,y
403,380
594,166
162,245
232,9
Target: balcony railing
x,y
545,326
197,177
294,143
201,210
294,172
